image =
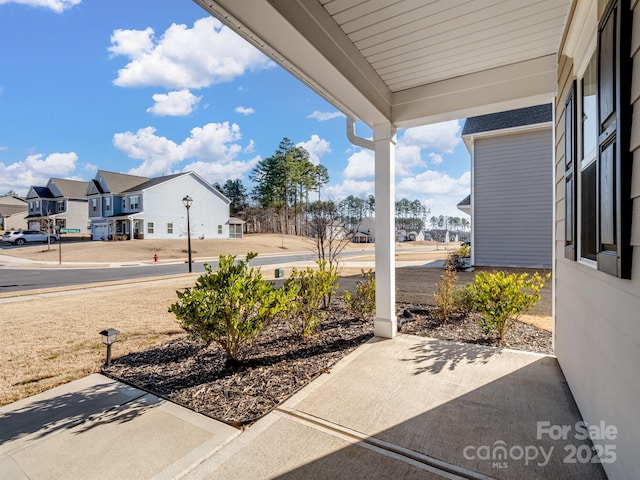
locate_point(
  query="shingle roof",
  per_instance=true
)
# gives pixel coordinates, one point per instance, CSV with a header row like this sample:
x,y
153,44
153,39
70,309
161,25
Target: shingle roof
x,y
512,118
152,182
465,201
43,192
119,182
70,188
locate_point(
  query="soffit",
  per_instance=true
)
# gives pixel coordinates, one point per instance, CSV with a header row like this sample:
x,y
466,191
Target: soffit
x,y
410,61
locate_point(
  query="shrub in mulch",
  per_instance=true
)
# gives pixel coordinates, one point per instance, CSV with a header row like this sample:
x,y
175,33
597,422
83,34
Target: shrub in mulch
x,y
279,363
276,366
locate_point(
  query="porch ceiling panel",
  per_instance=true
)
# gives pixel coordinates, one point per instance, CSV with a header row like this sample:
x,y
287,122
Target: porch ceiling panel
x,y
402,60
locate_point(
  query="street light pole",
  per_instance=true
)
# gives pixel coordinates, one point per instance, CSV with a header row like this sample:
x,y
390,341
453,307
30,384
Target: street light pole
x,y
187,201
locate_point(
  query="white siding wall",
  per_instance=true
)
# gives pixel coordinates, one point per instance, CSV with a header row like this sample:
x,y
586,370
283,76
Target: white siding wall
x,y
512,216
162,204
597,323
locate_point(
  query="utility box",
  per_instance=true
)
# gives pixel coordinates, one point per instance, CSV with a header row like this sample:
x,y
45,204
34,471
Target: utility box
x,y
279,272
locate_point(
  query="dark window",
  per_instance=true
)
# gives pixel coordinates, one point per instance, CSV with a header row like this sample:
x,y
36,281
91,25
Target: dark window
x,y
605,164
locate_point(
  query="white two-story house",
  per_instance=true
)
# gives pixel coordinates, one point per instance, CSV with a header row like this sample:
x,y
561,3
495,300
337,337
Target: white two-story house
x,y
129,207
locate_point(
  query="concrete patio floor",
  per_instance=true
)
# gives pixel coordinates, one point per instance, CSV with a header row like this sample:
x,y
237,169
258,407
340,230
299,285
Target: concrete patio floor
x,y
410,407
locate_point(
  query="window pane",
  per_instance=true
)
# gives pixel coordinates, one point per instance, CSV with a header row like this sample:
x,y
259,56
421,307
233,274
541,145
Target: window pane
x,y
589,110
588,213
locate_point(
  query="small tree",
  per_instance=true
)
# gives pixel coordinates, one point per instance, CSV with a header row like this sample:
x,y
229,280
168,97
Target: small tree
x,y
444,296
230,306
362,303
502,299
332,233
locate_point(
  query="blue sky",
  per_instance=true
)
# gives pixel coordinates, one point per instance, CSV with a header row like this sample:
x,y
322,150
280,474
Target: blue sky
x,y
152,88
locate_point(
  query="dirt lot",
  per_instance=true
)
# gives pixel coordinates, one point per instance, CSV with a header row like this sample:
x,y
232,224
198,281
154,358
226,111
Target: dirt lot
x,y
52,339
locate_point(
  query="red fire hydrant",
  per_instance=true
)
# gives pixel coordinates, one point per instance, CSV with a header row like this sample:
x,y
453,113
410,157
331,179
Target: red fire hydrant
x,y
155,257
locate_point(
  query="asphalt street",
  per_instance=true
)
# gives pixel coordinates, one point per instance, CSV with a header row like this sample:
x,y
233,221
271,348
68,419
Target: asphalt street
x,y
17,279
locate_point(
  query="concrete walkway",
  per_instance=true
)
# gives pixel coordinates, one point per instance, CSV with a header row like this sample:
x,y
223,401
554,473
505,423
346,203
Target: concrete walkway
x,y
96,428
410,407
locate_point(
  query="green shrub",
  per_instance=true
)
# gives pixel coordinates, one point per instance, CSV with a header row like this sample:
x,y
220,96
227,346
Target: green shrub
x,y
229,306
463,251
362,303
444,294
503,298
464,299
311,290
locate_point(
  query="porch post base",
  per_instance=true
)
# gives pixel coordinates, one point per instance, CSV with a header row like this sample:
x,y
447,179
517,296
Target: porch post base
x,y
385,327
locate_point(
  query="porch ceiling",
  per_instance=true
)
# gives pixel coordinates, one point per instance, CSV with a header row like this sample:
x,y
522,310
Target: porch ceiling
x,y
410,62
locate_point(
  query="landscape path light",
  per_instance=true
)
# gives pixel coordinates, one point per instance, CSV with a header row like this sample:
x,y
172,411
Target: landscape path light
x,y
109,337
187,200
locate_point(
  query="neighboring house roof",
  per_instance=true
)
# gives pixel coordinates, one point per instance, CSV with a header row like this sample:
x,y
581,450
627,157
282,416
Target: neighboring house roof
x,y
151,183
465,205
509,119
42,192
12,200
94,184
69,188
119,182
8,210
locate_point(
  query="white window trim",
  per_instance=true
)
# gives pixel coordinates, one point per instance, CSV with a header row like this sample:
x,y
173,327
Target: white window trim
x,y
581,63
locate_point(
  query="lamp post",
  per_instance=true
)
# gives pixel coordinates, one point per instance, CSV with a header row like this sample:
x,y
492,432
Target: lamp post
x,y
109,337
187,200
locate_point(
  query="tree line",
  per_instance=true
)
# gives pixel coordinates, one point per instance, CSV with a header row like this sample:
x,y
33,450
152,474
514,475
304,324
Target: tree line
x,y
287,198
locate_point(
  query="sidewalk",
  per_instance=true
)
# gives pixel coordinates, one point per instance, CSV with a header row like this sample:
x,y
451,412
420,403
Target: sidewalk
x,y
97,428
410,407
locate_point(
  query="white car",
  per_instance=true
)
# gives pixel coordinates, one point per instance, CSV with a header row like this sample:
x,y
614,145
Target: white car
x,y
20,237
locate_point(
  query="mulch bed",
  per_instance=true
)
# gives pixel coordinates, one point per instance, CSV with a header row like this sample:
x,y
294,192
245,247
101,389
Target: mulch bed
x,y
279,364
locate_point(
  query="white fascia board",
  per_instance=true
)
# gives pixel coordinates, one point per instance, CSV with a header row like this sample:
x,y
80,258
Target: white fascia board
x,y
524,84
507,131
301,37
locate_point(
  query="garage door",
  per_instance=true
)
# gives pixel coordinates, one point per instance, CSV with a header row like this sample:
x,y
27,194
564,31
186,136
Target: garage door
x,y
99,231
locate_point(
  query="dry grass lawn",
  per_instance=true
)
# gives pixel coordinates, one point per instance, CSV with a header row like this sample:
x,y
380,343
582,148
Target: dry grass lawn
x,y
52,339
167,250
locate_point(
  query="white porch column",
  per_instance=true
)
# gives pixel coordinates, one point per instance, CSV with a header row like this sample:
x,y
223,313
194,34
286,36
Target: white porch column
x,y
385,323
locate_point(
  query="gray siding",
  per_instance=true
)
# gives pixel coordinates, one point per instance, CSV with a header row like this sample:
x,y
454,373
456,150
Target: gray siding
x,y
512,217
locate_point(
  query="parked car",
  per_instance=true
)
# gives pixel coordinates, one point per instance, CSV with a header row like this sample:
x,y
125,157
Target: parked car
x,y
20,237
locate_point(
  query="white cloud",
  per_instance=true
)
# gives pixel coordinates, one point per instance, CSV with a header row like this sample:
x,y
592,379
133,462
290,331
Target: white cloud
x,y
358,188
436,158
57,6
221,172
324,116
36,170
214,147
316,147
407,158
177,104
184,57
439,191
245,110
360,165
438,136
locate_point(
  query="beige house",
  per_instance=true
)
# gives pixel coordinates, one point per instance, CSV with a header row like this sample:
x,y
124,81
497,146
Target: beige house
x,y
13,212
407,63
59,204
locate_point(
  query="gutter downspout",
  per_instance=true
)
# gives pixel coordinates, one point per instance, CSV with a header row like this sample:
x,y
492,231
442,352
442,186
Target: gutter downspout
x,y
354,139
